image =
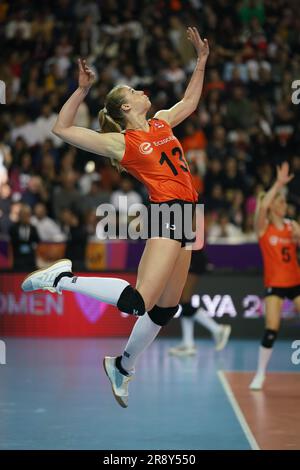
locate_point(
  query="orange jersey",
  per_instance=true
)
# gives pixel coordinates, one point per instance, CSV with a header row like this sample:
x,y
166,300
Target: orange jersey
x,y
281,268
157,160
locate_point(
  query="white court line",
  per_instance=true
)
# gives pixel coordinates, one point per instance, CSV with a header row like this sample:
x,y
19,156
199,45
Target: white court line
x,y
238,411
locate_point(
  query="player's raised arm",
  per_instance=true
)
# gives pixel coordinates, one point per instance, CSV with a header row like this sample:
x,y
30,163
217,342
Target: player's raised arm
x,y
110,145
283,178
190,100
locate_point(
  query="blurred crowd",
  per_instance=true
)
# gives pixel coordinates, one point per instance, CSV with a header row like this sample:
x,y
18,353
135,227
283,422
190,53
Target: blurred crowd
x,y
245,124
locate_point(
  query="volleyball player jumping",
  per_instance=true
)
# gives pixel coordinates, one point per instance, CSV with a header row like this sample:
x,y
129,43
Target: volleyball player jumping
x,y
149,151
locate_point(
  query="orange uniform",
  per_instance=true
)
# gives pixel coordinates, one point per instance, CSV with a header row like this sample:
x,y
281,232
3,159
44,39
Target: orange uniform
x,y
157,160
281,268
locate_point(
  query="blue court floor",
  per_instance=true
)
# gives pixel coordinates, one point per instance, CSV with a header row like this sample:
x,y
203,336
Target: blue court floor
x,y
54,394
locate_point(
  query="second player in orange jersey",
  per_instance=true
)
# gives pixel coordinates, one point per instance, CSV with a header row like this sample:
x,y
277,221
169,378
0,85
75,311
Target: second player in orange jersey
x,y
279,251
278,240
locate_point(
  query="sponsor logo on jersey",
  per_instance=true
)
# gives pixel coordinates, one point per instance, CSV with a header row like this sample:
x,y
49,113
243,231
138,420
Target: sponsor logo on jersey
x,y
146,148
159,125
164,141
274,240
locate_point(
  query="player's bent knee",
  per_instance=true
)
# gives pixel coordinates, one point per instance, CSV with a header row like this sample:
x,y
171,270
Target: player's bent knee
x,y
162,315
269,338
131,301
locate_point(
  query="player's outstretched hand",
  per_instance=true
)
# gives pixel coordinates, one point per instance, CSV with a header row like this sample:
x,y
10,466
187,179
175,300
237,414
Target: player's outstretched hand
x,y
86,75
283,176
201,46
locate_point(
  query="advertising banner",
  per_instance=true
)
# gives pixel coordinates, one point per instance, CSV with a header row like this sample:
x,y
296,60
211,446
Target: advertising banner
x,y
236,299
44,314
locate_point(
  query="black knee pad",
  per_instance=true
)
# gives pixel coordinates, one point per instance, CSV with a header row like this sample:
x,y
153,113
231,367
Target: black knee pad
x,y
188,310
131,302
268,338
162,315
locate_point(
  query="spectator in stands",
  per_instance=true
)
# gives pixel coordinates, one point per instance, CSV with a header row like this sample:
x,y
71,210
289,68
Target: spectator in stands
x,y
5,205
21,174
236,210
213,174
122,199
215,199
47,171
76,237
249,235
5,162
66,196
48,230
224,231
24,238
35,192
218,146
96,196
232,177
240,113
194,144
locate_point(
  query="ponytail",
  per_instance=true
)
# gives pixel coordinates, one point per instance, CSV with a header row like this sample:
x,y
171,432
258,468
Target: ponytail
x,y
107,124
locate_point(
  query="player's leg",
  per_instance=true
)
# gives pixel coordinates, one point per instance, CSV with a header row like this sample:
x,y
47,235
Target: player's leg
x,y
273,305
197,267
190,313
187,345
147,327
219,332
160,258
156,265
59,277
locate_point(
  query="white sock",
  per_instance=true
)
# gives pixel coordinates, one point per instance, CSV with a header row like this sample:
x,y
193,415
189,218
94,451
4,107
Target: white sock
x,y
187,327
264,356
106,289
142,335
202,317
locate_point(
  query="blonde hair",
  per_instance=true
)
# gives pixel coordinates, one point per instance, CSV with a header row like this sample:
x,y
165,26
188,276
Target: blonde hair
x,y
260,199
112,118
